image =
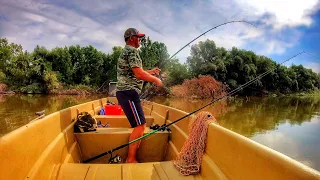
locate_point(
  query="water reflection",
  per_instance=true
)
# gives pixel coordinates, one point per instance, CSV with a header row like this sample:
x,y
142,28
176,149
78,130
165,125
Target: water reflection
x,y
248,116
300,142
258,115
18,110
290,125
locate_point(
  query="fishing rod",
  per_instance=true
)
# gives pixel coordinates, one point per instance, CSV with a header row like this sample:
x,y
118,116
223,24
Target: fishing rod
x,y
166,61
213,101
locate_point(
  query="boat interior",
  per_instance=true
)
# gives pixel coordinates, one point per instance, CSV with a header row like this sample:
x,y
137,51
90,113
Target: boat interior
x,y
48,148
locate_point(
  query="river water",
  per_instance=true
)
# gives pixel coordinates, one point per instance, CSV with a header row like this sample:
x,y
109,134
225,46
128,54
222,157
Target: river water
x,y
290,125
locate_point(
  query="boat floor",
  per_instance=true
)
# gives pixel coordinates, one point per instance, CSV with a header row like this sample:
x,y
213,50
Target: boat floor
x,y
155,171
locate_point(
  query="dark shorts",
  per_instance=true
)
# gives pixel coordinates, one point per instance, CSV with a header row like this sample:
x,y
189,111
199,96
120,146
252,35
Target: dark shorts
x,y
131,105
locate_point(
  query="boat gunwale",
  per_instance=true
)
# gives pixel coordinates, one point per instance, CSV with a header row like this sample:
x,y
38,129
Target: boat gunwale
x,y
261,149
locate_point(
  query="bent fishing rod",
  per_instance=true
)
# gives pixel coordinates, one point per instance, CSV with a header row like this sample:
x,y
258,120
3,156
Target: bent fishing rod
x,y
213,101
166,61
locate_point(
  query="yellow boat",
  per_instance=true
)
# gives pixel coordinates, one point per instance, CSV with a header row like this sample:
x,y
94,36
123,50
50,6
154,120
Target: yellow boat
x,y
48,148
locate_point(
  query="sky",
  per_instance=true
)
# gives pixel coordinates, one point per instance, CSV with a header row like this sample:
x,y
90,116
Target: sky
x,y
284,27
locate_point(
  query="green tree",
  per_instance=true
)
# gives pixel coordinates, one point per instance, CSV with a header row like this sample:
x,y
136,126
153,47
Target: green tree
x,y
236,67
51,81
8,52
44,70
318,81
61,63
154,54
109,68
92,62
77,59
202,58
177,72
306,79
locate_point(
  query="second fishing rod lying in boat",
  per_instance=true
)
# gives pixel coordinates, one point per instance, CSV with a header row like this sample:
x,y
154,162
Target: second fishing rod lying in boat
x,y
163,127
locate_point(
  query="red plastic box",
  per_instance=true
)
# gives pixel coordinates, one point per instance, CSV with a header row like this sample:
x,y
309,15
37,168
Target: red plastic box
x,y
113,110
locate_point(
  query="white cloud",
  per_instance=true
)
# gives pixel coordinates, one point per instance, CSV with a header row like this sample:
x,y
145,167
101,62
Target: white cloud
x,y
62,36
286,12
33,17
102,24
277,47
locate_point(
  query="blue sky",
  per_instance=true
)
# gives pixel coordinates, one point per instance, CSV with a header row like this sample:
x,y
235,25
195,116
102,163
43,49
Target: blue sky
x,y
284,27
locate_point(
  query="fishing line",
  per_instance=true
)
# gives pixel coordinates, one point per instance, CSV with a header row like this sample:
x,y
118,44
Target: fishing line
x,y
312,54
204,34
239,88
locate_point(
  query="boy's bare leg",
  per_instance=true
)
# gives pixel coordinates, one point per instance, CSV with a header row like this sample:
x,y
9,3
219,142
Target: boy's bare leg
x,y
133,148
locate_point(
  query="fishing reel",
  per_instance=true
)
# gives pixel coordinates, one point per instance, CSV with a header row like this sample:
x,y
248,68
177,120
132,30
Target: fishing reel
x,y
161,128
115,160
155,127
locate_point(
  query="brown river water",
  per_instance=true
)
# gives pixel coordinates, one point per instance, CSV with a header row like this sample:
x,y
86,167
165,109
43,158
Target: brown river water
x,y
290,125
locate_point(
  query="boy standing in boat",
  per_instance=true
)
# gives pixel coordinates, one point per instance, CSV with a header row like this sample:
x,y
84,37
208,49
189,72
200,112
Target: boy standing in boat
x,y
131,75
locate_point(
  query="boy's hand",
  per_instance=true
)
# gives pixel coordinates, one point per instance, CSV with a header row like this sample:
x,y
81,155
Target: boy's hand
x,y
158,82
155,71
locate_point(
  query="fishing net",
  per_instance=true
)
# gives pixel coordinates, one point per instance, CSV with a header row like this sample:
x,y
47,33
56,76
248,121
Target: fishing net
x,y
189,159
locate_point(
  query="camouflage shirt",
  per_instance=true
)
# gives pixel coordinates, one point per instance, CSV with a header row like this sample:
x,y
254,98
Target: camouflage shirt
x,y
128,59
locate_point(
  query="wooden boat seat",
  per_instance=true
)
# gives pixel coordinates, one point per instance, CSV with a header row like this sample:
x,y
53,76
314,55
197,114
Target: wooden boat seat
x,y
156,170
152,148
120,120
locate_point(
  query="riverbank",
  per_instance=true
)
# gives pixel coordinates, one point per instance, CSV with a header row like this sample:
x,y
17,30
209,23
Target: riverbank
x,y
69,90
74,90
89,90
314,93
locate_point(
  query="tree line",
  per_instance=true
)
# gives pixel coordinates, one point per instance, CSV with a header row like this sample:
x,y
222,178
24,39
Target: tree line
x,y
236,67
43,70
